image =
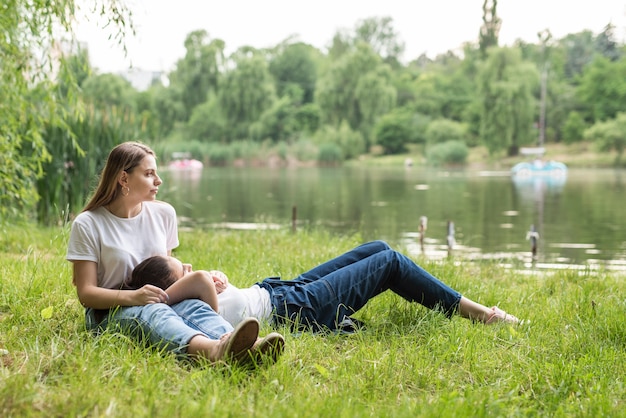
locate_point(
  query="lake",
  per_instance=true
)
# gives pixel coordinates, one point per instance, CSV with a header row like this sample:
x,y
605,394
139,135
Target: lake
x,y
579,220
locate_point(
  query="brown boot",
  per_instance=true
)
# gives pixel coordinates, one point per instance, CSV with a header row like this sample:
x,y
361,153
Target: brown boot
x,y
267,350
236,345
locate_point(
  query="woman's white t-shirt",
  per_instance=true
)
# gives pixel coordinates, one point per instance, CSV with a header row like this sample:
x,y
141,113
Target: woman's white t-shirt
x,y
236,304
117,245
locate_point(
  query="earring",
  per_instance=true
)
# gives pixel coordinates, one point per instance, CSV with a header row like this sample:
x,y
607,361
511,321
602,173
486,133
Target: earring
x,y
125,190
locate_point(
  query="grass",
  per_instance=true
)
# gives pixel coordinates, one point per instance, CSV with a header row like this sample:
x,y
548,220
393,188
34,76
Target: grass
x,y
569,361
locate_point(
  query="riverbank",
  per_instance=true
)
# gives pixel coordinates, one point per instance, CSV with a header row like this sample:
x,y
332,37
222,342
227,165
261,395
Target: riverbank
x,y
578,155
409,361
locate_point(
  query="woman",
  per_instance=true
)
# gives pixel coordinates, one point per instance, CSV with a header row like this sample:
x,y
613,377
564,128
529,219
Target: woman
x,y
123,224
324,298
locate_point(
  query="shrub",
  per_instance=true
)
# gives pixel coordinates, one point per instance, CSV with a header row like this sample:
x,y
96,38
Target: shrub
x,y
443,130
220,155
574,128
449,152
330,154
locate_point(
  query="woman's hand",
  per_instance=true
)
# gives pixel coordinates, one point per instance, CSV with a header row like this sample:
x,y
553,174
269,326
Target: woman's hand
x,y
220,279
150,294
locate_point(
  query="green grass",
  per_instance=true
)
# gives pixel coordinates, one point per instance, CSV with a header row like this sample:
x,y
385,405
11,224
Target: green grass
x,y
570,360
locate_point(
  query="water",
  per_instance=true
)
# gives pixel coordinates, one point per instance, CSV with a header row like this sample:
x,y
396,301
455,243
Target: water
x,y
579,220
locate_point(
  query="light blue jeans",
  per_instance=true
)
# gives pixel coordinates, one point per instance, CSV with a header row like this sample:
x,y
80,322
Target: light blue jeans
x,y
324,296
167,327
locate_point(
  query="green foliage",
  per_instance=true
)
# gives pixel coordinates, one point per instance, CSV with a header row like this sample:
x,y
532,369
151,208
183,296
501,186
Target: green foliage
x,y
29,33
393,131
603,89
207,123
574,128
329,154
294,66
444,130
78,157
508,108
277,123
349,142
449,152
305,150
168,108
219,154
109,90
380,35
198,73
610,135
308,117
246,92
490,28
568,361
357,88
246,149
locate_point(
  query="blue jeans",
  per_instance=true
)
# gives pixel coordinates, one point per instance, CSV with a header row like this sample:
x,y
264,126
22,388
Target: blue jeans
x,y
324,296
167,327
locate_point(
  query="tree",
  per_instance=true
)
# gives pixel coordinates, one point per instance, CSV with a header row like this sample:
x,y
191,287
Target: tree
x,y
109,90
295,66
168,107
602,89
377,32
505,85
30,98
207,123
607,45
580,50
443,130
393,131
357,89
247,91
198,73
380,35
490,29
573,128
610,135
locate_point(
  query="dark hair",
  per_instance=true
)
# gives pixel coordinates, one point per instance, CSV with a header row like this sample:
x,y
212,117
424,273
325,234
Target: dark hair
x,y
153,270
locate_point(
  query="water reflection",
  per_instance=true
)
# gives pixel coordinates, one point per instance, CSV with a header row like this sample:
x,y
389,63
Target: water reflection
x,y
579,220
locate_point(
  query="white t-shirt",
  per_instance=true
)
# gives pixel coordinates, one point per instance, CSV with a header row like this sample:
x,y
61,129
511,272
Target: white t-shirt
x,y
117,245
236,304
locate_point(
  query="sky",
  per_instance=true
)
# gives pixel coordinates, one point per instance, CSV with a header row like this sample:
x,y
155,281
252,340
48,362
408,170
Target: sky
x,y
431,27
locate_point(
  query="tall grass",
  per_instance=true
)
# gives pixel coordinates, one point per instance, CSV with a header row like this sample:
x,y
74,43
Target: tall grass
x,y
76,156
569,361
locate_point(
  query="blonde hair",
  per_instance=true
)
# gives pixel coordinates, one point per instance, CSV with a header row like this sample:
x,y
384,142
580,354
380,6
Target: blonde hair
x,y
124,157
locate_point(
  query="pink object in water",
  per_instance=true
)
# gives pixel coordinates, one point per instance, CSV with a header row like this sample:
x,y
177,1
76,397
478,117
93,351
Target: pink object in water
x,y
186,164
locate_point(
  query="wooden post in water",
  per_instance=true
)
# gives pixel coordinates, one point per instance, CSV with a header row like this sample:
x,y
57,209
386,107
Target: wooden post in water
x,y
294,211
533,236
422,230
450,237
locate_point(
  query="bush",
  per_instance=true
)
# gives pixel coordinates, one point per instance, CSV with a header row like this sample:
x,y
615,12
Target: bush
x,y
392,133
245,149
350,143
449,152
305,150
443,130
330,154
220,155
574,128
